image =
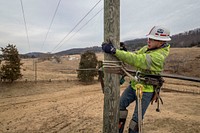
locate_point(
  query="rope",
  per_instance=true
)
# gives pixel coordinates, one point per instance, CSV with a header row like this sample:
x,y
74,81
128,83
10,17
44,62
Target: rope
x,y
130,73
139,88
110,64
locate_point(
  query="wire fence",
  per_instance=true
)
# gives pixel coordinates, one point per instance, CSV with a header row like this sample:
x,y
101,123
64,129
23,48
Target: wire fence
x,y
66,70
50,69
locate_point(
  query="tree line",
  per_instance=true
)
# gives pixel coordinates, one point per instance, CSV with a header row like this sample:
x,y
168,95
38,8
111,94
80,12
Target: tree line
x,y
10,65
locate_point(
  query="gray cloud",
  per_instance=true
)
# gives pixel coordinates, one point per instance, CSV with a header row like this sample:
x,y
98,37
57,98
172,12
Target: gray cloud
x,y
137,18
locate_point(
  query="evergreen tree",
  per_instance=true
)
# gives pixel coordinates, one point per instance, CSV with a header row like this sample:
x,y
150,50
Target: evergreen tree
x,y
10,70
88,60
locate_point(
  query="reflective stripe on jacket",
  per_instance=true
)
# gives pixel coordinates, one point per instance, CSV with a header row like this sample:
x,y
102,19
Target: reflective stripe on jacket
x,y
146,61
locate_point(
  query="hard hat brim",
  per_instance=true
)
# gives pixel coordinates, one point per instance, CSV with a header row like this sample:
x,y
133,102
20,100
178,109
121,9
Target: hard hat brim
x,y
159,38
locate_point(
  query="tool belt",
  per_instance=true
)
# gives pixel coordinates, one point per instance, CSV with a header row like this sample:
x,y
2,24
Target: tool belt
x,y
157,82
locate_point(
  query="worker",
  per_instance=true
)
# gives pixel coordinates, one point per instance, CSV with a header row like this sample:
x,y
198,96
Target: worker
x,y
149,60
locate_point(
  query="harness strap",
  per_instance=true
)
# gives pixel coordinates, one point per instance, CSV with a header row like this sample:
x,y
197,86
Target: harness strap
x,y
123,114
122,120
133,126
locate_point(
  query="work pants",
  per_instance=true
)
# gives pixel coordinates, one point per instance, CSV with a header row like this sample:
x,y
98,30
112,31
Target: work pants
x,y
129,96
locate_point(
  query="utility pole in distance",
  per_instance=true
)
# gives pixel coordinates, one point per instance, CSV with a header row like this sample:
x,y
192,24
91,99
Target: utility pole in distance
x,y
35,68
111,81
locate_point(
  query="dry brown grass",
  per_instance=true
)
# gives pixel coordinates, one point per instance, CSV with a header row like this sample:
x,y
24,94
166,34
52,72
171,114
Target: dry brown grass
x,y
65,105
184,61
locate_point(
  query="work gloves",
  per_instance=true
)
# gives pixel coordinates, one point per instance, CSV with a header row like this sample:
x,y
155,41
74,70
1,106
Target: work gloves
x,y
122,46
108,48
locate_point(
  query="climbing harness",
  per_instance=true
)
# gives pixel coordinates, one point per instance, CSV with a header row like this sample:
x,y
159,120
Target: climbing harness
x,y
117,67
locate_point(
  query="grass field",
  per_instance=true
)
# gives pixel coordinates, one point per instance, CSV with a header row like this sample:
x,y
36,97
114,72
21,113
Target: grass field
x,y
59,103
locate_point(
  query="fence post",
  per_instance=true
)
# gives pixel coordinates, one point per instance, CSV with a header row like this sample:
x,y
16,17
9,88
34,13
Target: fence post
x,y
111,81
35,66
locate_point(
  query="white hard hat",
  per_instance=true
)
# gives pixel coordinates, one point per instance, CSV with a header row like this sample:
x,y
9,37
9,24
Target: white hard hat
x,y
159,33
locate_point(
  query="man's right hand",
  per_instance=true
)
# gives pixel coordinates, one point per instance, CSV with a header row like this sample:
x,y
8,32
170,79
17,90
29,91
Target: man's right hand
x,y
108,48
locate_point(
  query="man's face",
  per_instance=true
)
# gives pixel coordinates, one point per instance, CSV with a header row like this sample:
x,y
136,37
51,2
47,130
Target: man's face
x,y
152,44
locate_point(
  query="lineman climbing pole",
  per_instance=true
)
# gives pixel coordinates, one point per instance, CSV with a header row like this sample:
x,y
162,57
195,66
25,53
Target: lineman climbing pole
x,y
111,81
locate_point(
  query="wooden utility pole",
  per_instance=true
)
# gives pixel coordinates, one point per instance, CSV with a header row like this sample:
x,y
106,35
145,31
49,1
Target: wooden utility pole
x,y
111,81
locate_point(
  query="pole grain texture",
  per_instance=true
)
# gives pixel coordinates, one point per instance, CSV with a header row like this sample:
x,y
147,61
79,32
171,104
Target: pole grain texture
x,y
111,81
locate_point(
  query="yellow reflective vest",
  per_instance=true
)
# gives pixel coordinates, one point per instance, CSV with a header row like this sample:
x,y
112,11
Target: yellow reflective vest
x,y
145,61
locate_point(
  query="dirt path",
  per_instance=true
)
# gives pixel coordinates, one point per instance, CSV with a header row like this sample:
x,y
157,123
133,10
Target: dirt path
x,y
69,107
60,111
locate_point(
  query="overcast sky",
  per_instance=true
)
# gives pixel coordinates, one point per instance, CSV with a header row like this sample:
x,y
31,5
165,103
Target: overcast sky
x,y
136,19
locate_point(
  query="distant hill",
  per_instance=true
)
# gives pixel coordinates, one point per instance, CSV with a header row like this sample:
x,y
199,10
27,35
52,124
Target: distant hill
x,y
187,39
66,52
32,55
79,51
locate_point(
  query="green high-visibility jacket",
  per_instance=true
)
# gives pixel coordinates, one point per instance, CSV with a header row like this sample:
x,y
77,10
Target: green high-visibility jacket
x,y
145,61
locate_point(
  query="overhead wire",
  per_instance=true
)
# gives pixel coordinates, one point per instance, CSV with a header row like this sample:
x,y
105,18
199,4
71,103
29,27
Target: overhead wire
x,y
76,26
25,25
50,24
81,27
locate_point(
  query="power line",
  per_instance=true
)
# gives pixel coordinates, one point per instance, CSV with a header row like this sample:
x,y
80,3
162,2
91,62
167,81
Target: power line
x,y
25,25
51,24
75,26
81,27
